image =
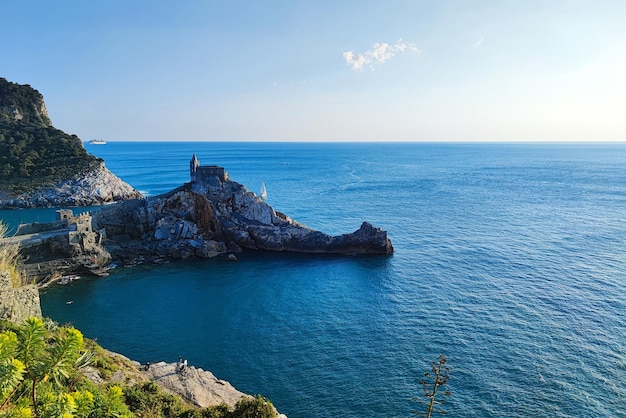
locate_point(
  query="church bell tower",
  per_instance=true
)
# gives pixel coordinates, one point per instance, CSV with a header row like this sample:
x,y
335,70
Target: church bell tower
x,y
193,167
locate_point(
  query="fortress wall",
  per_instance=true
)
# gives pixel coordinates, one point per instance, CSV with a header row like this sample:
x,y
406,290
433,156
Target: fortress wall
x,y
36,227
18,304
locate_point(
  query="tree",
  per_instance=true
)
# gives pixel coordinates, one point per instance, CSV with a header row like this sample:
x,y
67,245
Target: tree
x,y
39,366
40,376
431,383
32,361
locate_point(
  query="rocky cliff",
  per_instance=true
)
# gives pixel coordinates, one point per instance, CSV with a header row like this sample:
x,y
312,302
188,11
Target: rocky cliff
x,y
90,188
197,386
217,216
43,166
22,103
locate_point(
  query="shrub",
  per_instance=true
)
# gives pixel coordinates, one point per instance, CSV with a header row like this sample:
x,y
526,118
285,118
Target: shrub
x,y
258,407
146,399
39,367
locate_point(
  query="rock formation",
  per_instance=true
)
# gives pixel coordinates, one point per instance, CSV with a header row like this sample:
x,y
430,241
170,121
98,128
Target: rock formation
x,y
197,386
205,218
216,215
22,103
91,188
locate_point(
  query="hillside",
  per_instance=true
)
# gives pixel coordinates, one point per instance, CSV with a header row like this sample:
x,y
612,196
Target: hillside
x,y
32,152
41,166
22,103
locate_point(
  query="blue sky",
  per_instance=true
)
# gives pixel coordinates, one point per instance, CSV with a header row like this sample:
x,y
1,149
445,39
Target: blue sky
x,y
549,70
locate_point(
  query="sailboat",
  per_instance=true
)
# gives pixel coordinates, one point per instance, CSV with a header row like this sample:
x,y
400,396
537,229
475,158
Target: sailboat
x,y
263,191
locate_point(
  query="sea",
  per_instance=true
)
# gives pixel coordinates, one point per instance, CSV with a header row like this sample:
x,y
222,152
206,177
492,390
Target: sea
x,y
510,260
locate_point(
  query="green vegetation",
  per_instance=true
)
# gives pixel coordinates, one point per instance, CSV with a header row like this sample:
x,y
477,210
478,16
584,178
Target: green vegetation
x,y
147,400
258,407
33,153
42,369
23,99
433,381
43,375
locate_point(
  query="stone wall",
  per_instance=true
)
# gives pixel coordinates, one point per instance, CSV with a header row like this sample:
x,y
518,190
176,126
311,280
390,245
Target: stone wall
x,y
204,172
37,228
17,304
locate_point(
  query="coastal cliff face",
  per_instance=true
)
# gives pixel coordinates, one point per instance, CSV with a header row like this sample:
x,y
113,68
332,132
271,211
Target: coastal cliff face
x,y
218,216
22,103
41,166
199,387
91,188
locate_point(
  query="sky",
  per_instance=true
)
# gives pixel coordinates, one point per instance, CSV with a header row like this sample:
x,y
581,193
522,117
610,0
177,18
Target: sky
x,y
353,70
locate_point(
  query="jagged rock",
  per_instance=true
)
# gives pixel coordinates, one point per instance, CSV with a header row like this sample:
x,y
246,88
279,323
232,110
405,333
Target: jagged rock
x,y
207,219
96,187
218,216
198,386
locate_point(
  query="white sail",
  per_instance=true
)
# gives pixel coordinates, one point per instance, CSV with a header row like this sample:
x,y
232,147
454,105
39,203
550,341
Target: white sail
x,y
263,191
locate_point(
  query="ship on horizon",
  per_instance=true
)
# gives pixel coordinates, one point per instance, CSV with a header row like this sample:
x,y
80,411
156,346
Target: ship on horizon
x,y
97,142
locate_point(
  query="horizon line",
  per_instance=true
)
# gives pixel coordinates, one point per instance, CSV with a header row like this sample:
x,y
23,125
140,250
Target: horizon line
x,y
527,141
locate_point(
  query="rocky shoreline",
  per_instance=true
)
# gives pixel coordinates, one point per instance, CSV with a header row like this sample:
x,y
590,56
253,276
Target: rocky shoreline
x,y
218,216
96,187
197,386
205,218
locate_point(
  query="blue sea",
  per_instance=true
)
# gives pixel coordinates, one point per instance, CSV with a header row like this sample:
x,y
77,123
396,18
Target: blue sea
x,y
510,259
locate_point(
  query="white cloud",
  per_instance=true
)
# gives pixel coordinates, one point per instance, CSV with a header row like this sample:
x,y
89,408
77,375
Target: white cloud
x,y
378,54
479,42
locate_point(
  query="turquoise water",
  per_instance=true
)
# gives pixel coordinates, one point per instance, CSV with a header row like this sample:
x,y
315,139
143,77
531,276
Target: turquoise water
x,y
509,260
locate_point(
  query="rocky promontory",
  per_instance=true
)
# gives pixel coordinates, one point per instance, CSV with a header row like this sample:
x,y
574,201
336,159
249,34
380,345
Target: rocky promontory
x,y
214,215
41,166
199,387
207,217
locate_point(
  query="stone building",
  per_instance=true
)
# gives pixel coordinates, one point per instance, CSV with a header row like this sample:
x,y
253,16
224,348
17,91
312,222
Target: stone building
x,y
201,173
68,244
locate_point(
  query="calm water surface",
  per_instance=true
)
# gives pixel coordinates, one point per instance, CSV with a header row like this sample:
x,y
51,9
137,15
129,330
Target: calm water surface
x,y
509,260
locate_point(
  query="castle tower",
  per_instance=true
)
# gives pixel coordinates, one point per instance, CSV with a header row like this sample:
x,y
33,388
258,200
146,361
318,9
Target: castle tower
x,y
193,167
